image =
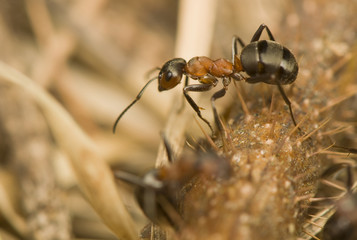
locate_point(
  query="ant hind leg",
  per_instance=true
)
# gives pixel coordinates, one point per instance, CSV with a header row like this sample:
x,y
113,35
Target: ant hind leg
x,y
168,148
259,31
287,101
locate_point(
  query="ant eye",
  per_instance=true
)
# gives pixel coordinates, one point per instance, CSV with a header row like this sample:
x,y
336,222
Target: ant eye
x,y
168,76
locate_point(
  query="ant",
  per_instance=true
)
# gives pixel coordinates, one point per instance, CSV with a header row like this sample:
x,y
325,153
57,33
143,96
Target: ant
x,y
260,61
342,224
160,190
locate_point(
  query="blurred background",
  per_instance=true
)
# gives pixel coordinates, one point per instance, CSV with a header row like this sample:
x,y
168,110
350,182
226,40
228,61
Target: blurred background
x,y
93,57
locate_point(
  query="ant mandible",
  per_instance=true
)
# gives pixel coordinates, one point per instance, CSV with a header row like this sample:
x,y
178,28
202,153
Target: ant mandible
x,y
260,61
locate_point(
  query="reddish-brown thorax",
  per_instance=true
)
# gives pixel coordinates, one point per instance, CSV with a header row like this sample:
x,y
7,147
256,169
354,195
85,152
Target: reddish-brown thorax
x,y
198,67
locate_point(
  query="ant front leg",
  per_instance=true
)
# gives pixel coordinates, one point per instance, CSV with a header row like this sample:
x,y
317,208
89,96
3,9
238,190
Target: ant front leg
x,y
257,34
197,88
182,100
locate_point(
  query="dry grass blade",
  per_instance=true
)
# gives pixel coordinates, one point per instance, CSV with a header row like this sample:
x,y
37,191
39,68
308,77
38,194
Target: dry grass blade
x,y
193,39
8,212
93,175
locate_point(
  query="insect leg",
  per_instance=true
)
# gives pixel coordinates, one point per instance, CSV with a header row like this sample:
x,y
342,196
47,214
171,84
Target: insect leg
x,y
197,88
182,100
130,178
214,97
236,40
170,153
259,31
287,101
350,180
186,81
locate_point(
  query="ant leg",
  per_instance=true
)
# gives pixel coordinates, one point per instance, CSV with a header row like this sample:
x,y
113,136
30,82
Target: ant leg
x,y
182,100
259,31
149,203
236,40
169,152
349,179
287,101
130,178
197,88
346,149
186,81
263,78
215,96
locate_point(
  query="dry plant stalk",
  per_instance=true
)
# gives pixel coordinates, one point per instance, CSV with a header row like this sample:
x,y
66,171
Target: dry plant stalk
x,y
27,153
192,40
93,175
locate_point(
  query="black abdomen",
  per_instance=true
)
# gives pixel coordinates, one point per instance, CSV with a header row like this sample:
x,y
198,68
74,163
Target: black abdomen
x,y
269,62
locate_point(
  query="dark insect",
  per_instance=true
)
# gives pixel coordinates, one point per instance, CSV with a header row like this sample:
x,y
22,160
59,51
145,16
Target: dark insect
x,y
160,191
342,225
260,61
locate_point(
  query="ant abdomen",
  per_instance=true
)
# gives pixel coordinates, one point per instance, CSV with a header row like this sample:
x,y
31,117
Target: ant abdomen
x,y
269,62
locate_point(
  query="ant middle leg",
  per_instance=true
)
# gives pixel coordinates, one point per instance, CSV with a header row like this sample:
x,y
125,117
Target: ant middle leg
x,y
168,148
197,88
259,31
214,97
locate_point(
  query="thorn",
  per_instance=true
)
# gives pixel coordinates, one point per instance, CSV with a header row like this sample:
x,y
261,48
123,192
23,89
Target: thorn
x,y
311,235
281,143
303,197
306,136
209,139
315,224
241,99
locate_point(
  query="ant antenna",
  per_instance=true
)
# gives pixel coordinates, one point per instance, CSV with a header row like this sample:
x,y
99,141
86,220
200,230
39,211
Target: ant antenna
x,y
148,73
131,104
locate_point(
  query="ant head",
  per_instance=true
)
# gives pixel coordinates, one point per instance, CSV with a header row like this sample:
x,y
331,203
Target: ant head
x,y
171,74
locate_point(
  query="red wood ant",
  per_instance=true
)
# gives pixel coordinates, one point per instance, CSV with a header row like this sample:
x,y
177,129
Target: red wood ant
x,y
260,61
